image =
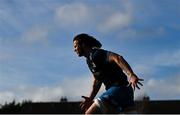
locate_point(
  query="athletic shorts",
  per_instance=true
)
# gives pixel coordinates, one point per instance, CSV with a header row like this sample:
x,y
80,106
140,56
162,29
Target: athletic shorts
x,y
118,96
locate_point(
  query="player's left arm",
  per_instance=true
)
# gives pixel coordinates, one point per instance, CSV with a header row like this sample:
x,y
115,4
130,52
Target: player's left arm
x,y
123,64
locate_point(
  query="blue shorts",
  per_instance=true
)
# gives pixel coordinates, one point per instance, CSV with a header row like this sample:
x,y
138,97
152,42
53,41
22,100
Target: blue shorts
x,y
118,96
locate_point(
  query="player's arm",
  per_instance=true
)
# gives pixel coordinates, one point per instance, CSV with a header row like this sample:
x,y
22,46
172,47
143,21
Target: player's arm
x,y
96,86
89,100
122,63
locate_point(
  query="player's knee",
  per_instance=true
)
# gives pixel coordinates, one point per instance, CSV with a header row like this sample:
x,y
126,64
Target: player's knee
x,y
93,109
101,106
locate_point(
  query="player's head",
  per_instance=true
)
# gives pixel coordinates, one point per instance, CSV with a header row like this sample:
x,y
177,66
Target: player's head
x,y
84,40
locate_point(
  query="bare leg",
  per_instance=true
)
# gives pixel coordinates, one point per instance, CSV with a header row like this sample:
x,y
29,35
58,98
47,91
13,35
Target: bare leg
x,y
93,109
106,108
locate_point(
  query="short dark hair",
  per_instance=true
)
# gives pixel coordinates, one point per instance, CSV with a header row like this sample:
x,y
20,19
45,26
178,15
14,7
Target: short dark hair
x,y
87,40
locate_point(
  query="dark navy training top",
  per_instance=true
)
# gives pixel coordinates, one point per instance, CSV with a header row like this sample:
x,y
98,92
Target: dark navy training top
x,y
108,73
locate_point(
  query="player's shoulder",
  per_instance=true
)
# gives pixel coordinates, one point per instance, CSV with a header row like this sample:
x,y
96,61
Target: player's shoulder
x,y
99,52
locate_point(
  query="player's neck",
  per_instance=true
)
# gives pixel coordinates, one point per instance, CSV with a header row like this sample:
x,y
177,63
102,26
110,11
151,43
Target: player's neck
x,y
87,52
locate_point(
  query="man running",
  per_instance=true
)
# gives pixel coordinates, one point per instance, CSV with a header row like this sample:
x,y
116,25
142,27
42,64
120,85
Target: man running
x,y
110,69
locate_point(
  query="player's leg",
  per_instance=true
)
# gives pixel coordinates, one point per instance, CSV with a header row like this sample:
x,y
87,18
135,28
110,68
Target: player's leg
x,y
100,107
93,109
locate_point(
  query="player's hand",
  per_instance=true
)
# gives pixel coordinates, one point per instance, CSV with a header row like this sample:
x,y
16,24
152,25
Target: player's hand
x,y
135,81
86,103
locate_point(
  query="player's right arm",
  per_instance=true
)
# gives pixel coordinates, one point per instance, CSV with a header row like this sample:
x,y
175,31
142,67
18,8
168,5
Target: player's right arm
x,y
89,100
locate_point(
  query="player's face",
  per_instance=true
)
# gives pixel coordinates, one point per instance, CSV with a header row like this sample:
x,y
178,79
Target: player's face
x,y
77,48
